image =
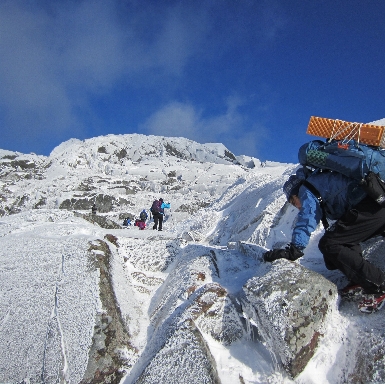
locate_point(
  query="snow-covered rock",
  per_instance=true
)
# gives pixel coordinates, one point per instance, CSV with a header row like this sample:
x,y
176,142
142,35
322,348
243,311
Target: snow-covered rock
x,y
290,305
85,300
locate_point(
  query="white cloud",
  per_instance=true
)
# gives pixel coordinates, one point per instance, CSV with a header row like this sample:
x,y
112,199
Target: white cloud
x,y
184,120
174,120
56,57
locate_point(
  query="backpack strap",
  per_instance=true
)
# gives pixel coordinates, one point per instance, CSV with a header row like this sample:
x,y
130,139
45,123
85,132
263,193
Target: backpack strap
x,y
315,192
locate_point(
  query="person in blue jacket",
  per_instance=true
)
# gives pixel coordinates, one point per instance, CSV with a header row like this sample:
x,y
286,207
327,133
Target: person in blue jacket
x,y
157,210
358,218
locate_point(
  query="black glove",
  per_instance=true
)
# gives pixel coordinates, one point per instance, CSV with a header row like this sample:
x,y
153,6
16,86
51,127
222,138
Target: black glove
x,y
291,252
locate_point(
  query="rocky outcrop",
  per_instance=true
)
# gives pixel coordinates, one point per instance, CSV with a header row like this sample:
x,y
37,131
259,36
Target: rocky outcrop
x,y
290,305
106,363
215,314
104,203
102,221
15,166
190,307
19,168
186,356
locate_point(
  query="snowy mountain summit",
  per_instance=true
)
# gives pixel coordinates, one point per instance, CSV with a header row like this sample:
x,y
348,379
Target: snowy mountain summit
x,y
85,299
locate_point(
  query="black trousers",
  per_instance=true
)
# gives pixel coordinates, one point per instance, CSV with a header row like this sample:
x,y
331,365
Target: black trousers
x,y
341,248
158,219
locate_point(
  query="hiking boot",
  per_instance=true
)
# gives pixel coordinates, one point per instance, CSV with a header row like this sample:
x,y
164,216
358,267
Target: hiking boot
x,y
371,303
351,292
159,229
375,290
154,227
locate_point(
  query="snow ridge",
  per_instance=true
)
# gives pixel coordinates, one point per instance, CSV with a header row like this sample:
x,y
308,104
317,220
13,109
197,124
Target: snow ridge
x,y
84,299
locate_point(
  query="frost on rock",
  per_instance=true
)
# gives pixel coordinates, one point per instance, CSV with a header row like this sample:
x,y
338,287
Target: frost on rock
x,y
215,314
83,300
101,221
190,306
47,316
106,361
183,359
290,304
156,253
192,271
104,202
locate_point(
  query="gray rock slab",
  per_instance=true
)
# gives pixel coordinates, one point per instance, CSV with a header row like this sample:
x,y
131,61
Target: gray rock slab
x,y
290,304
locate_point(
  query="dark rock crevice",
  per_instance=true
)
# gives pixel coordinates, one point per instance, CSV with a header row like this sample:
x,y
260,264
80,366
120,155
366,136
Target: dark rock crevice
x,y
106,363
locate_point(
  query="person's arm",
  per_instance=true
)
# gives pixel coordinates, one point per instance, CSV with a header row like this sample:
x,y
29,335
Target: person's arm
x,y
308,218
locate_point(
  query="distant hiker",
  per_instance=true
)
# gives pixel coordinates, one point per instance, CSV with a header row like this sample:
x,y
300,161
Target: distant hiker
x,y
126,222
93,209
157,210
141,222
143,215
359,218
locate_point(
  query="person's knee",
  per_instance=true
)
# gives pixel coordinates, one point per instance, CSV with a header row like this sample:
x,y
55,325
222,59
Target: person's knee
x,y
330,253
322,245
328,247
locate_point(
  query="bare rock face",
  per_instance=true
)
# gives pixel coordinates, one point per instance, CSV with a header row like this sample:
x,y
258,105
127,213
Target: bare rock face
x,y
290,305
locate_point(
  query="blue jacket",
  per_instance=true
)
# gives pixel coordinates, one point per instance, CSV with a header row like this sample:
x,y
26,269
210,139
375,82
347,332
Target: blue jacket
x,y
163,206
339,194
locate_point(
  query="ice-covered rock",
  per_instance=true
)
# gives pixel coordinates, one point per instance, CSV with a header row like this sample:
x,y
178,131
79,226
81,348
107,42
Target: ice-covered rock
x,y
290,305
183,358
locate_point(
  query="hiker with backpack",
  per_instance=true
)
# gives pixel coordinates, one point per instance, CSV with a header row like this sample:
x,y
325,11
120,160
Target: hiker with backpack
x,y
157,210
143,215
359,217
141,222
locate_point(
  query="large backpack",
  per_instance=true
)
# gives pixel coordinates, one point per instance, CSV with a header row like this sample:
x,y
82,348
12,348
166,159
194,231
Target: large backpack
x,y
351,159
156,206
141,225
143,216
361,162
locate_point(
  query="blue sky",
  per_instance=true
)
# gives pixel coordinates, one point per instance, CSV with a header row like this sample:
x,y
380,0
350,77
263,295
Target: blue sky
x,y
248,74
